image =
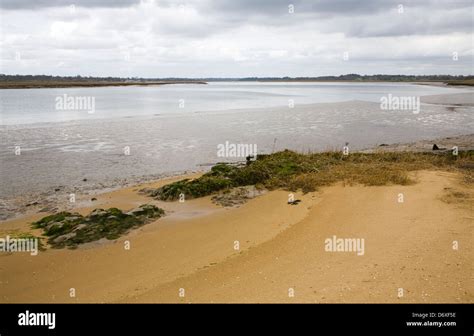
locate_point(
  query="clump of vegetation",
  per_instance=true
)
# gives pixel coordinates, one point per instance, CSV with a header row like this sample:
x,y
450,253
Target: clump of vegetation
x,y
66,229
306,172
468,82
203,186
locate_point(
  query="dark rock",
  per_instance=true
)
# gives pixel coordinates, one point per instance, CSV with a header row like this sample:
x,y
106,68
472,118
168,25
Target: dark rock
x,y
98,213
435,147
78,227
295,202
248,159
54,226
147,210
136,212
72,218
64,237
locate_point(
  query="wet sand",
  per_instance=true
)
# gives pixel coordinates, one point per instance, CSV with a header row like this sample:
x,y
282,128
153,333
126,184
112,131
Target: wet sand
x,y
456,99
83,156
462,142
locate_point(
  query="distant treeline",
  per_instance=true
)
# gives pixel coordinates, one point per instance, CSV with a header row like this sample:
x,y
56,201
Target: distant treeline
x,y
76,79
357,77
348,77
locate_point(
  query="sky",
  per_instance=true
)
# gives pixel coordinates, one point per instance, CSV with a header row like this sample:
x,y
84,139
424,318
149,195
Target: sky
x,y
236,38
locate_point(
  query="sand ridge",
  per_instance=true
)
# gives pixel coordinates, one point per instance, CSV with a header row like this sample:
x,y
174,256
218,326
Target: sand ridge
x,y
408,245
193,235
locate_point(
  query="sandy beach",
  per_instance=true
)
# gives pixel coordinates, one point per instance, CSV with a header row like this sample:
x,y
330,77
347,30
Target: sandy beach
x,y
281,250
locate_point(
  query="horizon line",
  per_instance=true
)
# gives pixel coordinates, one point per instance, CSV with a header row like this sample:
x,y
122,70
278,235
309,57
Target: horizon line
x,y
237,78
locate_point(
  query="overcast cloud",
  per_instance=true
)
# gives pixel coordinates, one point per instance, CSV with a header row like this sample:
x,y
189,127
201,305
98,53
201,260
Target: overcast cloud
x,y
236,38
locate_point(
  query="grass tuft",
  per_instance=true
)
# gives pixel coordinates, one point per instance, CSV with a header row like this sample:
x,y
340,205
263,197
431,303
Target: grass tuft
x,y
307,172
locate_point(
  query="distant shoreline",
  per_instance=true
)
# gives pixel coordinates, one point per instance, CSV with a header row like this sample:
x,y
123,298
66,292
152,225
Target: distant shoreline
x,y
49,81
65,84
450,83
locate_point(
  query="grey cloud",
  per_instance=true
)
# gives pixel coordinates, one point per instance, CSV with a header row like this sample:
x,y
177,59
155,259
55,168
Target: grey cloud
x,y
238,37
271,7
38,4
323,7
354,18
418,22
